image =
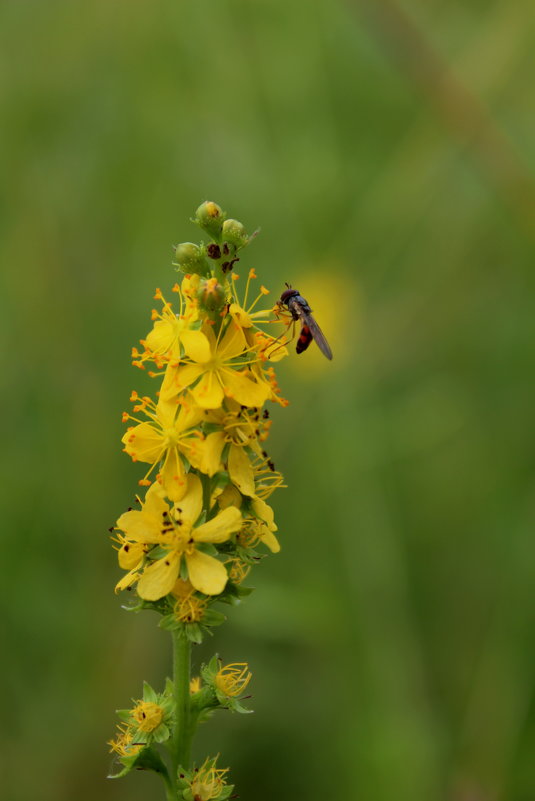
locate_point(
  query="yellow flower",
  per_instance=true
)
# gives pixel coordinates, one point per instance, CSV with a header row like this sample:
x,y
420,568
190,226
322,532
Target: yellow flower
x,y
195,684
232,679
162,343
208,782
147,715
166,437
213,371
237,570
255,531
267,479
123,744
190,609
177,535
239,429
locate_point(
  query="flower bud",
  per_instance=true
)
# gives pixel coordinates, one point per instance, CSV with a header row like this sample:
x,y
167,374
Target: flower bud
x,y
230,496
189,259
210,217
211,295
234,232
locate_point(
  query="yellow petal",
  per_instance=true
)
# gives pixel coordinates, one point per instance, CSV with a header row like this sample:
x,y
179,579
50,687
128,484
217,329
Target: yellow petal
x,y
176,379
244,390
154,503
166,412
173,476
140,527
189,416
186,375
240,316
263,511
130,555
232,344
127,581
168,389
159,578
197,346
208,393
230,496
207,574
269,539
182,588
143,442
206,455
240,470
190,506
220,527
164,337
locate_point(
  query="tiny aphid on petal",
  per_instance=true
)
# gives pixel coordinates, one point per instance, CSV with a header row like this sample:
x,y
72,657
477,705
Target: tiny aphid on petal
x,y
298,307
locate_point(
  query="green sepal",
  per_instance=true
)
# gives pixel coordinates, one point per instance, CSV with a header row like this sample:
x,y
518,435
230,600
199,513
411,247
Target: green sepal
x,y
204,699
193,633
213,618
147,759
237,707
169,623
207,547
210,217
162,733
234,233
234,593
149,694
190,258
187,795
209,671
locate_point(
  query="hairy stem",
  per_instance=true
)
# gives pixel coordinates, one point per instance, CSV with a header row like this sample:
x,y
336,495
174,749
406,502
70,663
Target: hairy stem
x,y
181,678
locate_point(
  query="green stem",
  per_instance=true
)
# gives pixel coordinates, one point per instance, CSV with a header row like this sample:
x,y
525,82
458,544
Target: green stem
x,y
181,746
206,493
170,792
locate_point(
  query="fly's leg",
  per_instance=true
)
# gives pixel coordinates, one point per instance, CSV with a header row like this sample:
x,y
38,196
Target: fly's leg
x,y
291,323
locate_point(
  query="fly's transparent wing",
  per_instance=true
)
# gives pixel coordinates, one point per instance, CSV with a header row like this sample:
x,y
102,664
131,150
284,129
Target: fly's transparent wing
x,y
317,334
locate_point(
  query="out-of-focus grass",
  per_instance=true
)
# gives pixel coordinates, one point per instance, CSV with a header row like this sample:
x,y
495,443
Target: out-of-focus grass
x,y
396,626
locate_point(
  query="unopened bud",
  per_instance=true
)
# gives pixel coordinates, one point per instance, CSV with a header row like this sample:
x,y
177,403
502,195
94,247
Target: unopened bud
x,y
189,259
210,217
211,295
230,497
234,232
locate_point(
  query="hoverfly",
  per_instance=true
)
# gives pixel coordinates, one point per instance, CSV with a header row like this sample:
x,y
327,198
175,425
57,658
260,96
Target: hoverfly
x,y
310,330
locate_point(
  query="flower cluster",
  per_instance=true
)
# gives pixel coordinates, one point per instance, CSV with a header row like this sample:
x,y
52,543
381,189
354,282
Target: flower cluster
x,y
204,519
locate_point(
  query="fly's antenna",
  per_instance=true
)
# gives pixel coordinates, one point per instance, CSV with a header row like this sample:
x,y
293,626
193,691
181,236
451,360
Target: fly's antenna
x,y
288,285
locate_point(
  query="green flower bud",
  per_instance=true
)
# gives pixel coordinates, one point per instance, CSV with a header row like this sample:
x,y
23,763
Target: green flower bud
x,y
210,217
234,232
189,259
211,295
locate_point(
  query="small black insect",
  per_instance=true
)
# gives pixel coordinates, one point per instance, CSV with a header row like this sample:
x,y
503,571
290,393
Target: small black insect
x,y
310,330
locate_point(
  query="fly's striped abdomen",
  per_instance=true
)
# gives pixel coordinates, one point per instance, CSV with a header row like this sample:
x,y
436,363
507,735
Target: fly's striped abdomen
x,y
304,339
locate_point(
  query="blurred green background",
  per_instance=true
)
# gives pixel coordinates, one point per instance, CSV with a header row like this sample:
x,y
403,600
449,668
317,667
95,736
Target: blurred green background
x,y
385,148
